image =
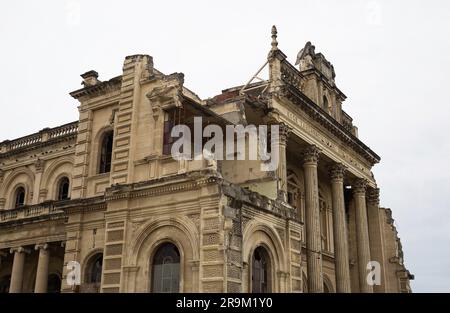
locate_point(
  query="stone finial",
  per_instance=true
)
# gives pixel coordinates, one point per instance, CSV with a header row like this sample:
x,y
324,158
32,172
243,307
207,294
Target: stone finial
x,y
274,38
90,78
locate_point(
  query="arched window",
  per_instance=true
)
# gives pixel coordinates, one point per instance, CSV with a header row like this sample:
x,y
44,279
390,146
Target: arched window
x,y
19,197
63,189
106,153
166,269
261,271
94,269
325,103
54,284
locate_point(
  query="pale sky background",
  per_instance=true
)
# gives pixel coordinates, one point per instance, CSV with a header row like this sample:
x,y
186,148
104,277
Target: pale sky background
x,y
391,60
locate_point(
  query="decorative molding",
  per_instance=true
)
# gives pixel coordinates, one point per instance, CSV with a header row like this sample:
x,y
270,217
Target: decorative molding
x,y
359,186
311,154
337,171
373,196
20,250
39,165
41,246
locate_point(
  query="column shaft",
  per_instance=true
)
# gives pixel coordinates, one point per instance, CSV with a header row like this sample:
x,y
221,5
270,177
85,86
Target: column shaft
x,y
341,259
281,169
312,220
42,269
376,235
17,270
362,234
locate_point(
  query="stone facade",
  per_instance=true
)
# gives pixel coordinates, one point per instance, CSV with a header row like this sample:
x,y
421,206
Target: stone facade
x,y
311,225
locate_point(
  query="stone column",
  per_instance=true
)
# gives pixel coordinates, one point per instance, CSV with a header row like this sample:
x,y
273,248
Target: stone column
x,y
17,269
362,233
42,268
281,169
341,260
375,222
312,220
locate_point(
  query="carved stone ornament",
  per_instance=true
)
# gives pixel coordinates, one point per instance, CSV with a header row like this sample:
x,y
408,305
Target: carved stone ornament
x,y
373,196
311,154
39,165
359,186
337,171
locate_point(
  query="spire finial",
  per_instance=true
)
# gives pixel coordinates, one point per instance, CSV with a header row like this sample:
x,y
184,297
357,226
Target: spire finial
x,y
274,38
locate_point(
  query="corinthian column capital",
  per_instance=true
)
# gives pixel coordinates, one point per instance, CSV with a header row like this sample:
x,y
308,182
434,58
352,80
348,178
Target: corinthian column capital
x,y
41,246
337,171
359,186
284,132
373,196
20,250
311,154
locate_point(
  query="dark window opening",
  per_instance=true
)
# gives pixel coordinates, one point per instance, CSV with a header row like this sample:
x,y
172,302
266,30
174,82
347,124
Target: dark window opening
x,y
290,198
94,270
106,153
173,117
261,271
325,103
5,281
166,269
63,189
20,197
54,284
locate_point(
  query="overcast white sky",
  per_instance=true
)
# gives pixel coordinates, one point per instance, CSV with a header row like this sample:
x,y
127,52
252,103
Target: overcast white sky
x,y
391,60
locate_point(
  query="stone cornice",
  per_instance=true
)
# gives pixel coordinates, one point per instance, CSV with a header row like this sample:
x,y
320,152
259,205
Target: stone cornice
x,y
164,185
97,89
257,201
294,95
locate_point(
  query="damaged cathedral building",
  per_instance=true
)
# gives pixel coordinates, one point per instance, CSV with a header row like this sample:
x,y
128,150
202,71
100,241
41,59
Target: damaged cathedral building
x,y
100,204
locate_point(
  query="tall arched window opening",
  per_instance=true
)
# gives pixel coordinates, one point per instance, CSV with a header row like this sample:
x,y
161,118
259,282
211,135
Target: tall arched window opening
x,y
93,273
19,197
63,189
261,271
106,153
166,269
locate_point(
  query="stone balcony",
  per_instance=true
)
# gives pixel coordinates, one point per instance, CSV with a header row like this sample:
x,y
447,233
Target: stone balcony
x,y
46,210
47,135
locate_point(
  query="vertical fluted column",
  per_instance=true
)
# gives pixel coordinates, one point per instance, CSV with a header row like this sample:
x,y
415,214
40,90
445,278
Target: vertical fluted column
x,y
42,268
312,220
362,233
17,269
341,261
284,131
376,234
